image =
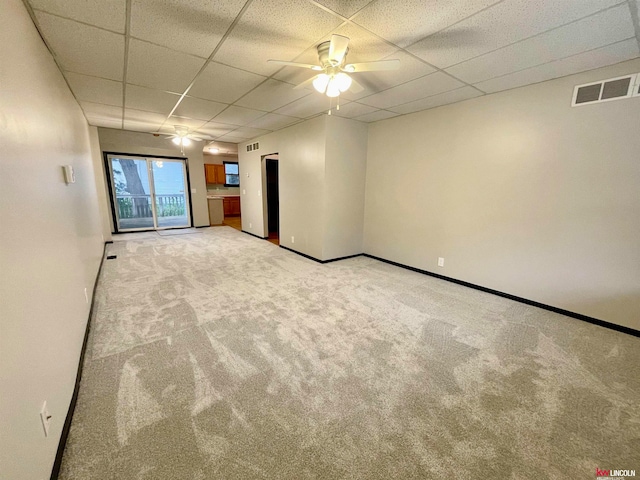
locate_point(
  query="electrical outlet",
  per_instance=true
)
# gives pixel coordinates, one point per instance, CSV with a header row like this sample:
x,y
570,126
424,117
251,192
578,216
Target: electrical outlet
x,y
45,417
86,295
244,191
440,262
293,240
258,192
249,224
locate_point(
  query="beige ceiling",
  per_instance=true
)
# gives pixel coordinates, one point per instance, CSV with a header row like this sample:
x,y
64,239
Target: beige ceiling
x,y
147,65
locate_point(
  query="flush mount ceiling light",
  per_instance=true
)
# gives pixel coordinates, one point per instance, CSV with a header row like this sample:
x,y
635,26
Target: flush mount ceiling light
x,y
214,150
182,137
334,79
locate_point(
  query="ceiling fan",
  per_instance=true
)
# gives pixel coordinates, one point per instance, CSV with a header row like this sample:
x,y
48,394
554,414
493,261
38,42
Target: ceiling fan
x,y
334,78
182,137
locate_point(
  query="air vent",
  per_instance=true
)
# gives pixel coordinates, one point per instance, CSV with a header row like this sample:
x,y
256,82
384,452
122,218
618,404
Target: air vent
x,y
253,146
249,148
606,90
256,146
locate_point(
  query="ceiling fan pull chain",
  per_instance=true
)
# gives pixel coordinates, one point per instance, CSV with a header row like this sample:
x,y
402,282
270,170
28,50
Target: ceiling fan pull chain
x,y
330,104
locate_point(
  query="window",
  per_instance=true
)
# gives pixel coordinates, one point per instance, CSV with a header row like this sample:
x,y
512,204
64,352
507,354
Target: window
x,y
232,174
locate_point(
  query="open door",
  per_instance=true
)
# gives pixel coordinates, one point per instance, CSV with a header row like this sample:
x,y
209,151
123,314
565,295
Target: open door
x,y
273,198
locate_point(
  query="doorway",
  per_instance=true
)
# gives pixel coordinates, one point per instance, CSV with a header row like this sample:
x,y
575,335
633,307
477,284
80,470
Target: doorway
x,y
273,198
148,193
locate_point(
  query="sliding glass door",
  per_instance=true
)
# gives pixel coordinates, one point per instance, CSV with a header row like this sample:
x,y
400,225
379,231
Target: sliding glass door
x,y
149,193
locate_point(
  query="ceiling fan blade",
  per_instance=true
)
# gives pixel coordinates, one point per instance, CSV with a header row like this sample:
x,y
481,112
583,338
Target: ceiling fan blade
x,y
195,139
296,64
372,66
171,136
355,87
338,49
305,84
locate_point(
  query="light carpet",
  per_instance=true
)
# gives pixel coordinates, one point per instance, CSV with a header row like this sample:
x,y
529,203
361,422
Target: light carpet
x,y
222,356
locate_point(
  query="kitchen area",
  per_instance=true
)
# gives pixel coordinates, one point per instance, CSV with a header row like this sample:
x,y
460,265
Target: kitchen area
x,y
223,187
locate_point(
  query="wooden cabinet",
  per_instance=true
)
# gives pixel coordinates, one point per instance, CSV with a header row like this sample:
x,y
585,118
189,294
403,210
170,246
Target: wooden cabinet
x,y
231,206
214,174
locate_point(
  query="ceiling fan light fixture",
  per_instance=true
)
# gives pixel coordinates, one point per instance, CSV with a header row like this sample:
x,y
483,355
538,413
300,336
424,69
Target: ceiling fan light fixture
x,y
186,142
343,81
333,89
176,140
321,82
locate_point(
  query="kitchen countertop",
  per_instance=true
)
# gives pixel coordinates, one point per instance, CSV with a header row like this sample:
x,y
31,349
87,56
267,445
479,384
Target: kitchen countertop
x,y
222,196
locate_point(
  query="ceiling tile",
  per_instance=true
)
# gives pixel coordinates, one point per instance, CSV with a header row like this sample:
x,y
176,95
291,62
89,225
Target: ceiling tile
x,y
194,26
306,106
83,49
139,121
503,24
403,23
248,132
223,83
158,67
375,116
600,57
346,8
192,123
200,109
278,29
109,14
101,115
150,100
414,90
410,69
273,121
238,115
270,95
105,122
232,139
458,95
352,110
607,27
94,89
214,129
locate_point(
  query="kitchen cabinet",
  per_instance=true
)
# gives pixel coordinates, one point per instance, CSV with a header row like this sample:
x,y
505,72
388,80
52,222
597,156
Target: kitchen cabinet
x,y
231,206
214,174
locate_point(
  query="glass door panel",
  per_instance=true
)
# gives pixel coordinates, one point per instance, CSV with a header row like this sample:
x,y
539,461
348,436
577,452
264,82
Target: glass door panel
x,y
132,192
170,186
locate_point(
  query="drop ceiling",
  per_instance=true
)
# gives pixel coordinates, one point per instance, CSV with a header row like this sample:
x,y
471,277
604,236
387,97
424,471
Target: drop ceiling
x,y
147,65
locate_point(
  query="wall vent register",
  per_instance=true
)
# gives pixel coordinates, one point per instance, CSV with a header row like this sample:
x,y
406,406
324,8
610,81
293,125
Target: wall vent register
x,y
607,90
253,146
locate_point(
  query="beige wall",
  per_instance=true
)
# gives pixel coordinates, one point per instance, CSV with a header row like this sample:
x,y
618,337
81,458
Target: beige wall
x,y
301,179
50,245
345,171
518,192
123,141
321,186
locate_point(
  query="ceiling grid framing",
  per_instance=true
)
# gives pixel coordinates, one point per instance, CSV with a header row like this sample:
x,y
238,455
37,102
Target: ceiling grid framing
x,y
358,18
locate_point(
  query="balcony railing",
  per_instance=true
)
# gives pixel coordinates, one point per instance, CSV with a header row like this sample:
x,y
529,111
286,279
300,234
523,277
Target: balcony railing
x,y
139,206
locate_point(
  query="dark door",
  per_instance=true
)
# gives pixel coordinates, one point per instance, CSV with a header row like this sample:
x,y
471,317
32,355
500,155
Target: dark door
x,y
273,202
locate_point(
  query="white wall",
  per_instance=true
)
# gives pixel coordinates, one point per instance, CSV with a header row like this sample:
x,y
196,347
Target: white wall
x,y
345,171
50,245
123,141
518,192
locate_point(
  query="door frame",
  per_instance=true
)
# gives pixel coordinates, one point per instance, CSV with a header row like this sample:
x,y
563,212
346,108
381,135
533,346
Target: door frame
x,y
140,156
